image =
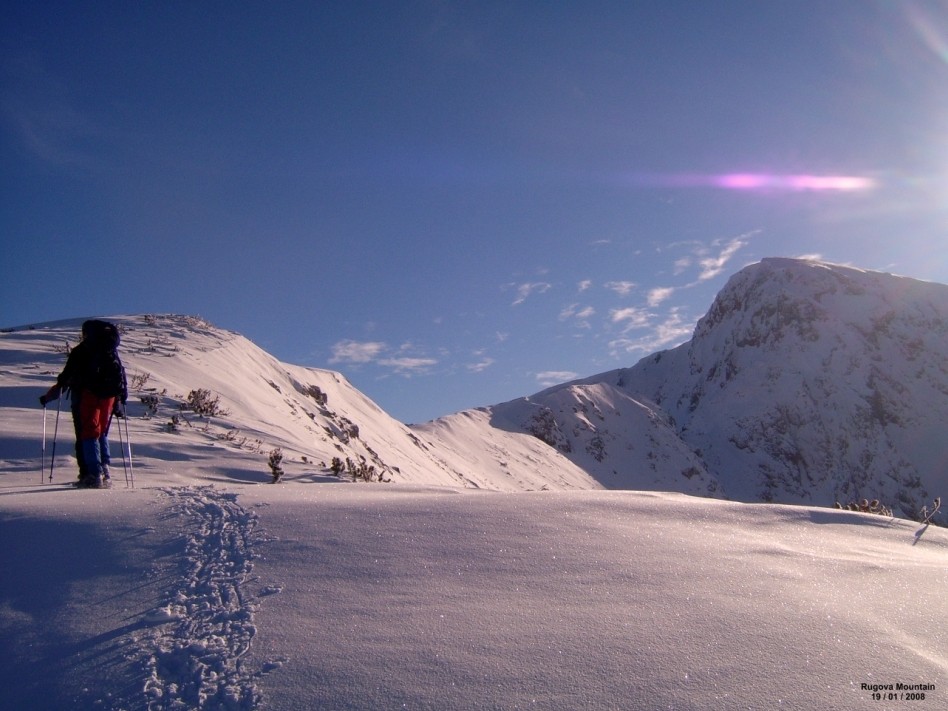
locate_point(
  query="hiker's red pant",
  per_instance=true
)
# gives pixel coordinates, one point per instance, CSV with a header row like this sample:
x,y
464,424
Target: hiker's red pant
x,y
94,414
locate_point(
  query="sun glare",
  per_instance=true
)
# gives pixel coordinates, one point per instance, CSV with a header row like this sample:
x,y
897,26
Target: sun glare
x,y
763,182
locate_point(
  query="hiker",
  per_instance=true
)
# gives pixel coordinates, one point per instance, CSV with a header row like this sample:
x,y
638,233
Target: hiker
x,y
94,380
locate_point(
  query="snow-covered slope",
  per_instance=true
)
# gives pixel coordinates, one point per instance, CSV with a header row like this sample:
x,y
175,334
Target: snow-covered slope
x,y
303,596
620,440
810,382
258,404
805,383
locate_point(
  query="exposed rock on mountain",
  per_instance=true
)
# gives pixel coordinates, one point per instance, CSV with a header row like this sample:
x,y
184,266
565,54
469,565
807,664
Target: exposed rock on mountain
x,y
805,383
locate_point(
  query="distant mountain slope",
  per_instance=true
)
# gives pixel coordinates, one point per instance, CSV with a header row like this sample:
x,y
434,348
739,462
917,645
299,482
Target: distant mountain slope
x,y
805,383
620,440
810,382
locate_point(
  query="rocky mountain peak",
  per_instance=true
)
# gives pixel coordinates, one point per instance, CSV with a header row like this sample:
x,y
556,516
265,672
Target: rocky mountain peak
x,y
806,382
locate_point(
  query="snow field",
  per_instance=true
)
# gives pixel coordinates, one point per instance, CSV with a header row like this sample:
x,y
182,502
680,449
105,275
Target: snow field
x,y
593,600
368,596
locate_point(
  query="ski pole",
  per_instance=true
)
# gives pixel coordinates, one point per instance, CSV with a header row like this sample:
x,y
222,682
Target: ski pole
x,y
43,459
128,441
52,458
108,431
122,445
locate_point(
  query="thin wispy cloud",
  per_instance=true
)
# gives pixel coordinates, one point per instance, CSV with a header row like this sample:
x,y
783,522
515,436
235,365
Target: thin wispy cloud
x,y
712,266
658,295
630,317
670,332
407,365
653,321
673,330
549,378
622,288
349,351
481,365
378,353
579,314
528,289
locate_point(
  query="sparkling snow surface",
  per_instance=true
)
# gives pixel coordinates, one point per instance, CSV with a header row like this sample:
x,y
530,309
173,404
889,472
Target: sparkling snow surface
x,y
206,587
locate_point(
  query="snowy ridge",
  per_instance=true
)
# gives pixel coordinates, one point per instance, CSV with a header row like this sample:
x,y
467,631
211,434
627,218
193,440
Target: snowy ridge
x,y
313,415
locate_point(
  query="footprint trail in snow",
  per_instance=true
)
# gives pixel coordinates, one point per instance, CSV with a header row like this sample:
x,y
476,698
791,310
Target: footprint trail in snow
x,y
194,656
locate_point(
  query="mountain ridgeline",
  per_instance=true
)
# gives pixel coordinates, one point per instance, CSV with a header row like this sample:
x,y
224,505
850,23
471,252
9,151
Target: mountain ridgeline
x,y
805,383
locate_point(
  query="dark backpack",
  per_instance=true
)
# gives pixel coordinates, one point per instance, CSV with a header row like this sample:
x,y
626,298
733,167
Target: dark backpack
x,y
105,376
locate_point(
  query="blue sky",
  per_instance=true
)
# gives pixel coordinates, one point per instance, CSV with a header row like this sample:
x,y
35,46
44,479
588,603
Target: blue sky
x,y
455,204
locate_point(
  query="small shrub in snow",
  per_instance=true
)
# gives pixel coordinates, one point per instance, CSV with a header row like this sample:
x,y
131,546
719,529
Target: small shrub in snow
x,y
151,405
197,322
204,403
138,380
276,464
690,472
866,506
174,425
234,437
360,470
925,515
357,470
